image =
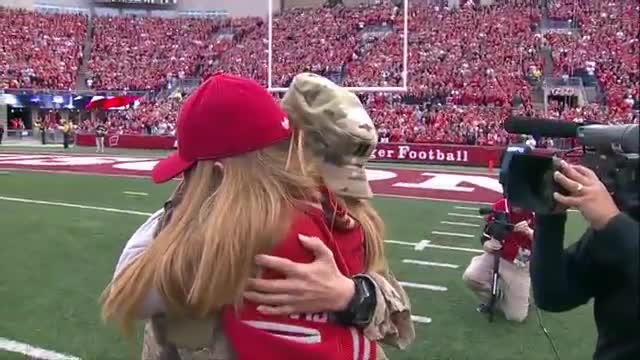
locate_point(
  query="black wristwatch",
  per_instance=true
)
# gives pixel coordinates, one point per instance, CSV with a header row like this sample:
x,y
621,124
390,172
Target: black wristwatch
x,y
360,310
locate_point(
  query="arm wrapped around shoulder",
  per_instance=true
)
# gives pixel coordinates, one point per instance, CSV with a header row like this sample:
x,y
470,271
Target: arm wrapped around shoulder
x,y
391,322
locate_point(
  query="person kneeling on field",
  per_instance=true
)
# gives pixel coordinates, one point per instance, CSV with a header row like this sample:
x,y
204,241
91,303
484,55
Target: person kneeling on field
x,y
515,252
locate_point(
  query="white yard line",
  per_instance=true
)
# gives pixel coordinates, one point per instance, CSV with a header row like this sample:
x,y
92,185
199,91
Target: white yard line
x,y
32,352
414,244
477,209
466,215
418,246
444,233
423,244
422,198
422,286
427,244
421,319
26,349
430,263
97,173
76,173
77,206
466,208
455,223
135,193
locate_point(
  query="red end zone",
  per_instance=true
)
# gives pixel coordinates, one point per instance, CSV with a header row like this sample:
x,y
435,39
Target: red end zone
x,y
418,184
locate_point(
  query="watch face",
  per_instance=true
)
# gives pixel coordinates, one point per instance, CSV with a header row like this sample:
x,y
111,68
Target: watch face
x,y
366,292
364,302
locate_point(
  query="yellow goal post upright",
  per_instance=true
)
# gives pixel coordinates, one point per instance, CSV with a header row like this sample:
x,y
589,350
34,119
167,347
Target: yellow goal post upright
x,y
364,89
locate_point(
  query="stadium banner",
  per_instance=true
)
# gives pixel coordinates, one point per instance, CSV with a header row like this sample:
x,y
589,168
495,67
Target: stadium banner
x,y
397,152
438,154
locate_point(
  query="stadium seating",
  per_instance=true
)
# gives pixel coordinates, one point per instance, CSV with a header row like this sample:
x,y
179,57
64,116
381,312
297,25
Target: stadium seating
x,y
461,83
143,53
606,44
41,51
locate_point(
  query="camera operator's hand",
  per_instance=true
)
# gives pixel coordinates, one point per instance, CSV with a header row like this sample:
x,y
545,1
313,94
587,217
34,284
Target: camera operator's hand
x,y
587,194
491,246
523,227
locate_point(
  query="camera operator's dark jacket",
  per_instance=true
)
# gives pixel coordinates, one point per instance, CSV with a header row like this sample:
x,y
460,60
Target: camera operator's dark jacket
x,y
602,265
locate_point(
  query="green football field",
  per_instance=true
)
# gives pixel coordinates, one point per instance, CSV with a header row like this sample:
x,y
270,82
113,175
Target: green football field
x,y
61,235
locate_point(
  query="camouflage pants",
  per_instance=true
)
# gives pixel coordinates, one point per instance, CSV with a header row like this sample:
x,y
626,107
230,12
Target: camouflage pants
x,y
151,350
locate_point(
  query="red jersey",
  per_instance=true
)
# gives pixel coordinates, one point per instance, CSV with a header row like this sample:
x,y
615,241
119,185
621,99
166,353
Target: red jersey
x,y
302,336
514,241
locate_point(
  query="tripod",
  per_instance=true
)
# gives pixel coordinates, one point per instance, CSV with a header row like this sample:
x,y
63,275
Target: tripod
x,y
497,229
495,286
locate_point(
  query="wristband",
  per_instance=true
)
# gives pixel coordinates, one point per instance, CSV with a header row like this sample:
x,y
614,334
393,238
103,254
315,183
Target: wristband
x,y
359,311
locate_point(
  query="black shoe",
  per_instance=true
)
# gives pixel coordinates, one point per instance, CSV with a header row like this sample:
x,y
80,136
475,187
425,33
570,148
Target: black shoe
x,y
483,309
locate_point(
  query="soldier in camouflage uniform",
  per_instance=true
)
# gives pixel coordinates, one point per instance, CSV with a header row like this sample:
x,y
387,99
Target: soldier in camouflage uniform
x,y
340,136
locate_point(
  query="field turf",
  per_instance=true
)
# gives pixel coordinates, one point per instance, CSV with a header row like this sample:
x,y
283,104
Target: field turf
x,y
56,257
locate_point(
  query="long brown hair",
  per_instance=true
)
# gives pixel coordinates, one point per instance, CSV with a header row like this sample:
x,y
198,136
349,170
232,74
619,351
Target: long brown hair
x,y
201,260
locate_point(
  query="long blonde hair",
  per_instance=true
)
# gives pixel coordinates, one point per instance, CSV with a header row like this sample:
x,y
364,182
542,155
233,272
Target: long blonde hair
x,y
202,258
373,228
360,210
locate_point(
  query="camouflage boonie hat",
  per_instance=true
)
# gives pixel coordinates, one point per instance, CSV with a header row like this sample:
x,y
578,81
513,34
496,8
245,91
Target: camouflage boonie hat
x,y
337,129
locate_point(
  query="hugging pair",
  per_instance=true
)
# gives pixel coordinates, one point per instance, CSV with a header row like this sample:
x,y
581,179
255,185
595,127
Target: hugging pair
x,y
259,180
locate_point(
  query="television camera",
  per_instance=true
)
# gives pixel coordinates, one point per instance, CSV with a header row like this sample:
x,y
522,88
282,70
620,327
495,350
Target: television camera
x,y
611,151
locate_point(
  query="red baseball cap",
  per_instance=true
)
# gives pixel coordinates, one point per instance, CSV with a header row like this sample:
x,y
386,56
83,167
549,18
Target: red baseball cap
x,y
224,117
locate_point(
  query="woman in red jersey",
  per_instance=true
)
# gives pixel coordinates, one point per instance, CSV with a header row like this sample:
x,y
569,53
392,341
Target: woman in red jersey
x,y
317,335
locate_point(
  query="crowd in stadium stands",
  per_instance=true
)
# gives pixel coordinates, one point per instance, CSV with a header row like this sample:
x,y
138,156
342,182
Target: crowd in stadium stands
x,y
606,46
462,84
144,53
481,67
321,40
155,117
397,122
39,50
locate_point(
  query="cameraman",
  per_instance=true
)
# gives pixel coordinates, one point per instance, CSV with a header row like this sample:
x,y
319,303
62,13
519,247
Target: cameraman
x,y
514,251
602,265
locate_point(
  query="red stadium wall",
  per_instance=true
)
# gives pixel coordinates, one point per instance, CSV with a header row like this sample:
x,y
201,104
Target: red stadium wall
x,y
129,141
416,153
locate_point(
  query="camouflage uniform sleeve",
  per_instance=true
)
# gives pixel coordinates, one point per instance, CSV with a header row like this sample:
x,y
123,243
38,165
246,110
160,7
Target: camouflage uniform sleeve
x,y
174,338
391,322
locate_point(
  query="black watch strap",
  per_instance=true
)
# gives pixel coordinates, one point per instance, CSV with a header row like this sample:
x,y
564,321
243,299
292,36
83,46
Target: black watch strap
x,y
360,310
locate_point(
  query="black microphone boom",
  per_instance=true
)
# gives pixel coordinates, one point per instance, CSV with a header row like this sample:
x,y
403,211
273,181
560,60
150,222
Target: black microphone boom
x,y
598,136
601,136
540,127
